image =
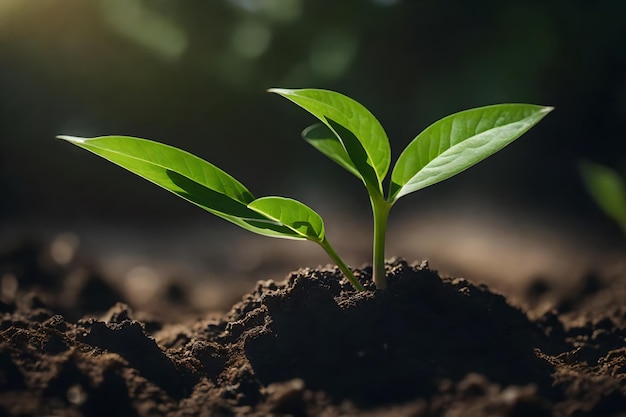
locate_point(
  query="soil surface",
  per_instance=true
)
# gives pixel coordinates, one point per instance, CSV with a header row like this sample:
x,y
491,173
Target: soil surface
x,y
309,346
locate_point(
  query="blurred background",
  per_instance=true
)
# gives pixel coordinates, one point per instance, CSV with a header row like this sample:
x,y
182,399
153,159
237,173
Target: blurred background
x,y
193,74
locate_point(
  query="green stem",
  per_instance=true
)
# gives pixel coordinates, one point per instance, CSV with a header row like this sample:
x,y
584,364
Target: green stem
x,y
341,264
380,209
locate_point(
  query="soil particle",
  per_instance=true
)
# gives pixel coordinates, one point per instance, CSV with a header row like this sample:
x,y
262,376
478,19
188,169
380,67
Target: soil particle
x,y
312,346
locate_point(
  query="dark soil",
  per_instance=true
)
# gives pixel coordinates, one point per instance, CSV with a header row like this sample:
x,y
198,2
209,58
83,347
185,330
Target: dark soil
x,y
309,346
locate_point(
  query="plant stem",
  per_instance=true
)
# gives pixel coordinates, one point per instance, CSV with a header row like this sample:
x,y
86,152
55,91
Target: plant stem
x,y
380,210
341,264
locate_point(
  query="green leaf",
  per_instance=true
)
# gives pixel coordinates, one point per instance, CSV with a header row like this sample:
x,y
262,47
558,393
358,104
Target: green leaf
x,y
362,136
324,140
298,217
455,143
608,190
187,176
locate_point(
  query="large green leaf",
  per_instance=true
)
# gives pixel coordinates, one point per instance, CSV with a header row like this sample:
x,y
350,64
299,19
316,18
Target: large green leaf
x,y
455,143
359,131
187,176
298,217
607,188
324,140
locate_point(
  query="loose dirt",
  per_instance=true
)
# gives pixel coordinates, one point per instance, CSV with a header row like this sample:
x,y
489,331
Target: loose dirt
x,y
309,346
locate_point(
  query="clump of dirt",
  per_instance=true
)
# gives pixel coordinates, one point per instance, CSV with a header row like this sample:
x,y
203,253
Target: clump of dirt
x,y
312,346
388,346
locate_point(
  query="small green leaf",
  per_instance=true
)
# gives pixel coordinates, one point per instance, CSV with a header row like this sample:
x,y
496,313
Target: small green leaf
x,y
187,176
455,143
608,190
324,140
293,214
362,136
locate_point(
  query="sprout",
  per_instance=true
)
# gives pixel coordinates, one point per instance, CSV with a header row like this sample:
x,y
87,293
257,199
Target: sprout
x,y
352,137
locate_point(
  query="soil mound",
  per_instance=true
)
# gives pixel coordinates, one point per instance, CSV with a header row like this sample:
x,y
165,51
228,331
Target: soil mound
x,y
388,346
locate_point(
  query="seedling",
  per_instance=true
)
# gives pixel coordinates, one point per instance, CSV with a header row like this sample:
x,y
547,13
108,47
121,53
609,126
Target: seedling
x,y
349,135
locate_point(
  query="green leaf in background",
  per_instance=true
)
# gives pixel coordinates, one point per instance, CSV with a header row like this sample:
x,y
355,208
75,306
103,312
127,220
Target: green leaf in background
x,y
362,136
324,140
608,190
455,143
298,217
187,176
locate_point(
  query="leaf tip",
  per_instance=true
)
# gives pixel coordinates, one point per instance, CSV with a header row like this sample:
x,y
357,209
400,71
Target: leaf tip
x,y
74,139
547,109
281,91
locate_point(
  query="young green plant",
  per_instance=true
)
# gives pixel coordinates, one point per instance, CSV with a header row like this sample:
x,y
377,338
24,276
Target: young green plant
x,y
351,136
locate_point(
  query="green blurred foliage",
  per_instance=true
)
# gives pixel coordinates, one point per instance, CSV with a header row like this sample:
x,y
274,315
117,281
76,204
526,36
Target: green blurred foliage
x,y
608,189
